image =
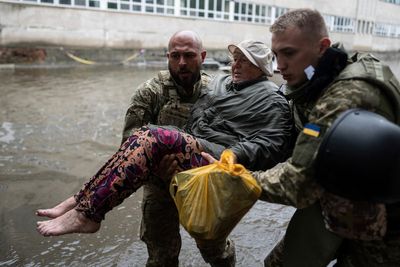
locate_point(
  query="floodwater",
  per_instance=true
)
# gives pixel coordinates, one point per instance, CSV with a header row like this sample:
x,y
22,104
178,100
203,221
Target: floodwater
x,y
57,127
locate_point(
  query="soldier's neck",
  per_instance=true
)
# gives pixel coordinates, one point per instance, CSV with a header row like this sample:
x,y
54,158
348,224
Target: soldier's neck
x,y
188,90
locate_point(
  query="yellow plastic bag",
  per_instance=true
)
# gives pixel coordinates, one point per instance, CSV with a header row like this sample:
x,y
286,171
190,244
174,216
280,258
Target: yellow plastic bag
x,y
212,199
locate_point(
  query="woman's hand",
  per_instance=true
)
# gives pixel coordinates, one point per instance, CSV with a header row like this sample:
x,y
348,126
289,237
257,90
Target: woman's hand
x,y
211,159
208,157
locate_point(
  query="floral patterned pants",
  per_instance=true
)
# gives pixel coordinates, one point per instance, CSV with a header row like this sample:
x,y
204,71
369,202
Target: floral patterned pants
x,y
129,168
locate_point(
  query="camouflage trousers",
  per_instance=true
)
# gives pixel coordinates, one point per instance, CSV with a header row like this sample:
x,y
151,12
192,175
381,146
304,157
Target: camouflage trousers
x,y
355,253
159,228
347,252
275,257
160,231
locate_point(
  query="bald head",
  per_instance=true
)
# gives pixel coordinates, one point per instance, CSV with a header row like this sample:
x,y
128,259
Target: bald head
x,y
186,36
185,58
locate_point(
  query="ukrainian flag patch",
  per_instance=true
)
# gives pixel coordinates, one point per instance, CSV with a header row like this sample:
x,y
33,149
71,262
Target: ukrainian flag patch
x,y
311,129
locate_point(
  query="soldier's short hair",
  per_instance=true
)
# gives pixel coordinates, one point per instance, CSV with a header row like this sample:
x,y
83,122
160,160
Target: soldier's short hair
x,y
309,21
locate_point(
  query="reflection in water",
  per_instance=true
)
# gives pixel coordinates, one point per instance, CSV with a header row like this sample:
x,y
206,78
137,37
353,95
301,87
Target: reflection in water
x,y
57,127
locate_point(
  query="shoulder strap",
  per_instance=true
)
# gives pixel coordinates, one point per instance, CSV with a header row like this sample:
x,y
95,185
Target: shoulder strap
x,y
368,68
167,85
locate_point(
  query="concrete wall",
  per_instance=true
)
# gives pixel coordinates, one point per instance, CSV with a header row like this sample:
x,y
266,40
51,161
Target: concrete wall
x,y
58,26
24,24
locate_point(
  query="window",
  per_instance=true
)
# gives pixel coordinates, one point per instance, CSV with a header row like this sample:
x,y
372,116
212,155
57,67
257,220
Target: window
x,y
80,2
94,3
397,2
341,24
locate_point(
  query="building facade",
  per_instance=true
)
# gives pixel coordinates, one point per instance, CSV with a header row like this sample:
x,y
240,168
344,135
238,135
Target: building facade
x,y
372,25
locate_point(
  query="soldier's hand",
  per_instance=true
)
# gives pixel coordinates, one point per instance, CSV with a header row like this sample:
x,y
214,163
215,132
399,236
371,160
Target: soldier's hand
x,y
167,168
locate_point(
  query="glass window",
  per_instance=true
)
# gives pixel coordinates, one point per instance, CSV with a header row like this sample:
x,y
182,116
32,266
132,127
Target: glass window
x,y
112,5
80,2
219,5
210,4
93,3
124,6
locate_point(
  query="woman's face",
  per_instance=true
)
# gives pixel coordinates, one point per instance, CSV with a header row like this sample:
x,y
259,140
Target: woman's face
x,y
242,69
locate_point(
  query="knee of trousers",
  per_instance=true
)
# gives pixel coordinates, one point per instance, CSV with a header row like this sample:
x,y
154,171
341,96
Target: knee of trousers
x,y
275,257
218,253
160,219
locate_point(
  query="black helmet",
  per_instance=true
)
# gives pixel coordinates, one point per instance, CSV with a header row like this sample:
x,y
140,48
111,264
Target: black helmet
x,y
359,158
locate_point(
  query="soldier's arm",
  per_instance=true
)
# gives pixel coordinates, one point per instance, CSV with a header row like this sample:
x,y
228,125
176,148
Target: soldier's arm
x,y
292,182
143,107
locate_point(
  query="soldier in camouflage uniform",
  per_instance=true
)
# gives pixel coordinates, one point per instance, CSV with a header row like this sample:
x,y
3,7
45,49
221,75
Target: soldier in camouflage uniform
x,y
166,100
322,82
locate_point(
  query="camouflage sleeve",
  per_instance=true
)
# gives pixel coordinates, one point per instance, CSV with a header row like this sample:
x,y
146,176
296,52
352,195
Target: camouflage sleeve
x,y
143,107
292,182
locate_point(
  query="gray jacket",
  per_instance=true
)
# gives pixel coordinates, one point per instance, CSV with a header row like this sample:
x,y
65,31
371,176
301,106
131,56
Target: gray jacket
x,y
250,118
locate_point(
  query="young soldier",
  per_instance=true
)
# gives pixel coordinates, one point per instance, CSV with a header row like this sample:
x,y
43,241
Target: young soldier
x,y
322,82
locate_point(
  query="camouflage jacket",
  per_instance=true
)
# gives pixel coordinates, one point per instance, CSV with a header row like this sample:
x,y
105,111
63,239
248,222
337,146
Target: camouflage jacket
x,y
161,101
293,182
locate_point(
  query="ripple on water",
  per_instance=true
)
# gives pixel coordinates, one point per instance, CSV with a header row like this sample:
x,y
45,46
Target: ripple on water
x,y
6,132
11,258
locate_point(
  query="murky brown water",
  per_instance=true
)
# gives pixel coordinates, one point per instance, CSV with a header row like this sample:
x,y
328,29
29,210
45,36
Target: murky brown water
x,y
57,127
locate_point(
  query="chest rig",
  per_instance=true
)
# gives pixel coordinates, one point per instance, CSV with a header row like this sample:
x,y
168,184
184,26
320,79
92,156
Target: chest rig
x,y
176,108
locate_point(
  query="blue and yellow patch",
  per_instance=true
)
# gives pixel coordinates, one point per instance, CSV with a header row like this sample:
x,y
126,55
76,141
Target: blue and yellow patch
x,y
311,129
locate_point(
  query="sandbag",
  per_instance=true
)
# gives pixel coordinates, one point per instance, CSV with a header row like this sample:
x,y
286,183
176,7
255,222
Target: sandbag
x,y
212,199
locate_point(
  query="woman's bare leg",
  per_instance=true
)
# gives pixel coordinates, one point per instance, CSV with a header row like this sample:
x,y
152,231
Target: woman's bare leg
x,y
122,175
58,210
72,221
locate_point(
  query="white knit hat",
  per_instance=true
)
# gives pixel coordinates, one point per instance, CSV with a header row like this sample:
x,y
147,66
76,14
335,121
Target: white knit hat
x,y
257,53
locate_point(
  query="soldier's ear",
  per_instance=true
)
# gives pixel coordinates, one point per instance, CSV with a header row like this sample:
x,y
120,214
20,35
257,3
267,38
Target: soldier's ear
x,y
203,55
324,44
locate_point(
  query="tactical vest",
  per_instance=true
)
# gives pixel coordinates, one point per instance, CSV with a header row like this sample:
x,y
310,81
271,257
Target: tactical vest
x,y
176,109
368,68
309,225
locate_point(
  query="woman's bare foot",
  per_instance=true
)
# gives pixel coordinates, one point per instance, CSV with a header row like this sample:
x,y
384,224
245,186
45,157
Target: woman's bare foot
x,y
71,222
58,210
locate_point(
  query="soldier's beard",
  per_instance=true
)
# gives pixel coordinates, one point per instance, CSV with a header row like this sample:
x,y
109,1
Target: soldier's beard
x,y
186,82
